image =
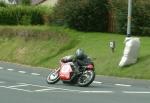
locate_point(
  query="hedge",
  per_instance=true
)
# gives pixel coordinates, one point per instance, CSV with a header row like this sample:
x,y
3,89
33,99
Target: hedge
x,y
84,15
104,15
140,16
23,15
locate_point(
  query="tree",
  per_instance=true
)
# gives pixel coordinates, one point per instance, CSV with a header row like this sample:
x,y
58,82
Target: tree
x,y
84,15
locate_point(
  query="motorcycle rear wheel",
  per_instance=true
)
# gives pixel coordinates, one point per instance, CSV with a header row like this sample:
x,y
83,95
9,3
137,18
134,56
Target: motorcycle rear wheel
x,y
86,78
52,78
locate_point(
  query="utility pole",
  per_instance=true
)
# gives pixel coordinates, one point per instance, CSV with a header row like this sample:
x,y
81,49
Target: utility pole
x,y
132,44
129,18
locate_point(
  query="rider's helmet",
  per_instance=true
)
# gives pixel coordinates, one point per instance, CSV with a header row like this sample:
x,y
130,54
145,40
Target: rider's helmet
x,y
79,54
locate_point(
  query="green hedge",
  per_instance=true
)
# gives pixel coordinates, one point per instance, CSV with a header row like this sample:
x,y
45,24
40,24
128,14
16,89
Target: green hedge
x,y
26,2
84,15
140,16
104,15
23,15
3,4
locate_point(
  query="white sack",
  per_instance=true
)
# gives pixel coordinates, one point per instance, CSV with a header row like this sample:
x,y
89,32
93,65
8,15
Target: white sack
x,y
131,51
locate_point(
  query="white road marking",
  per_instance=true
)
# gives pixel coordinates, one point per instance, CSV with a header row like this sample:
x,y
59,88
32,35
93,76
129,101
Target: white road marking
x,y
124,85
39,86
80,91
35,74
96,91
68,90
23,72
15,89
2,82
10,69
1,68
23,83
19,85
50,88
97,82
136,92
41,90
56,91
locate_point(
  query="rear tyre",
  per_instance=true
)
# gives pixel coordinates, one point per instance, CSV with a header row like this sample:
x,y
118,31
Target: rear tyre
x,y
86,78
52,78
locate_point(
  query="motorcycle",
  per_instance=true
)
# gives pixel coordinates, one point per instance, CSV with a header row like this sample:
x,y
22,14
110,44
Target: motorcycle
x,y
66,73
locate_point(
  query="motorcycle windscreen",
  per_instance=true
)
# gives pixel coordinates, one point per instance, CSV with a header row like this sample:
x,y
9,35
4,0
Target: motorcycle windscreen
x,y
65,72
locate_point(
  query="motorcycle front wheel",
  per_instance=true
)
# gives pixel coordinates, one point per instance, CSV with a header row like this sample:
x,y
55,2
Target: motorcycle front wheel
x,y
86,78
53,77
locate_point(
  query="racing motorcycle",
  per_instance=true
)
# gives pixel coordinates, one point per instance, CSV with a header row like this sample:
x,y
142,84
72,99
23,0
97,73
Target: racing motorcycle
x,y
66,73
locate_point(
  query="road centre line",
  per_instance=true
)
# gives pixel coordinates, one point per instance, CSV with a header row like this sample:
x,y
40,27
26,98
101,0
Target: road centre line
x,y
97,82
67,90
47,88
41,90
2,82
23,72
10,69
73,91
39,86
35,74
136,92
19,85
50,88
124,85
22,83
96,92
53,88
15,89
83,92
80,91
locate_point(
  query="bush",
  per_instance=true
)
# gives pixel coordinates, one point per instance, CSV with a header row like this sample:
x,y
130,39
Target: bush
x,y
84,15
23,15
140,17
25,20
25,2
3,4
120,9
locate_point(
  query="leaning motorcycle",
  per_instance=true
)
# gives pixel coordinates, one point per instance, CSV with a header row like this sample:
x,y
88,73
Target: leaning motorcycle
x,y
66,73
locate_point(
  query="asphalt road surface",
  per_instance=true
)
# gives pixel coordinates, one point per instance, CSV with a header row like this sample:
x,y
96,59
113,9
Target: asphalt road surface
x,y
22,84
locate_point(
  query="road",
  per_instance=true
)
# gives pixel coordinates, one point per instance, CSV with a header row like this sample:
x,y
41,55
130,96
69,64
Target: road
x,y
24,84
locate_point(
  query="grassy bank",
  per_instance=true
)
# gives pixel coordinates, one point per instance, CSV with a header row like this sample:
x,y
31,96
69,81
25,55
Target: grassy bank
x,y
38,46
44,46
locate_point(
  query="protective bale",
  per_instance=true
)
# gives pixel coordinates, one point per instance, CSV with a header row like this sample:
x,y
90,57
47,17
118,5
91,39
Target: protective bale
x,y
131,50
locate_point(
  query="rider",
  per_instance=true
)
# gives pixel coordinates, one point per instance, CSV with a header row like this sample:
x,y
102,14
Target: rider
x,y
79,59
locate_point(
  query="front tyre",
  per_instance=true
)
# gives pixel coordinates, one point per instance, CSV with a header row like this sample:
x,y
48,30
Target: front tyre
x,y
53,77
86,78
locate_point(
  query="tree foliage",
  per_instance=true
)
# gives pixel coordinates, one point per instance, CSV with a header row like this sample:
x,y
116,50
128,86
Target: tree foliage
x,y
140,16
84,15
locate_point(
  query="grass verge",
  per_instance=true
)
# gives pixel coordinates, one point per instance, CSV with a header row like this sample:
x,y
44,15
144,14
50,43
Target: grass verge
x,y
44,46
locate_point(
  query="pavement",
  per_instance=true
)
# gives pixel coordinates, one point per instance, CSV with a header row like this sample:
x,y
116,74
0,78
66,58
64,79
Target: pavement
x,y
25,84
